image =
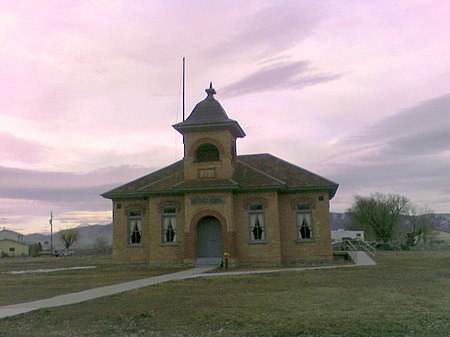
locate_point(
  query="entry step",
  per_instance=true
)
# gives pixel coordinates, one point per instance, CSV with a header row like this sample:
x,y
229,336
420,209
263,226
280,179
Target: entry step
x,y
208,261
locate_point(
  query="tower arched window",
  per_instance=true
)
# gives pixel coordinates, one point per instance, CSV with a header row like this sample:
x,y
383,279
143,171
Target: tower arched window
x,y
207,152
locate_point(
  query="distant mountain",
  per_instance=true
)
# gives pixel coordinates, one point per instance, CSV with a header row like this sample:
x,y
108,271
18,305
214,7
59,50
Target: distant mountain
x,y
442,222
87,237
342,220
36,237
339,221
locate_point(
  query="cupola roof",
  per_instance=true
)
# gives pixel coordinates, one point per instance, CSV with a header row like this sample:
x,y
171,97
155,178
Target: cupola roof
x,y
209,115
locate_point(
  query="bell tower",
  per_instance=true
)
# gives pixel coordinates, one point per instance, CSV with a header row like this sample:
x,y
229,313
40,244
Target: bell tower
x,y
209,141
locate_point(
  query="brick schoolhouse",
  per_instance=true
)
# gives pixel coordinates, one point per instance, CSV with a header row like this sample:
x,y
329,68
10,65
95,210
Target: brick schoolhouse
x,y
258,208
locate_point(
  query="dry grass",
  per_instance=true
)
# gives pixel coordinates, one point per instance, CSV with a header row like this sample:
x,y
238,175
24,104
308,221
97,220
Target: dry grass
x,y
18,288
406,294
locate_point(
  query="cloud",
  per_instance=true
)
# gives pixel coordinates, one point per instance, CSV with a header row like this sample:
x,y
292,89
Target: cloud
x,y
28,209
27,196
32,215
426,143
270,30
12,148
84,217
408,152
27,191
421,130
279,76
408,174
17,178
83,195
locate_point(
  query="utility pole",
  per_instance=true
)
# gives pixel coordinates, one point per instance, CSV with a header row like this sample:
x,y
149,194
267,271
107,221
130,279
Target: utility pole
x,y
51,232
184,78
184,114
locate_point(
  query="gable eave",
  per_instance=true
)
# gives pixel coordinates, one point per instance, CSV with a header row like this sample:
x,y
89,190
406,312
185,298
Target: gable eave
x,y
119,191
331,190
314,180
231,125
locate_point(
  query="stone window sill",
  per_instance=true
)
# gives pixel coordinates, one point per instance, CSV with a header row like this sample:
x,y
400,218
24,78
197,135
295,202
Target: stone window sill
x,y
170,244
258,242
306,241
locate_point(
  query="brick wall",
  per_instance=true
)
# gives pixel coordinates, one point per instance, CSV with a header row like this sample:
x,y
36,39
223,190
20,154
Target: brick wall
x,y
226,144
296,251
281,244
165,253
194,213
122,251
247,251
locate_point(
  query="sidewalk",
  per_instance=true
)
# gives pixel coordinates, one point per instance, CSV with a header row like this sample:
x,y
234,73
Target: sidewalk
x,y
86,295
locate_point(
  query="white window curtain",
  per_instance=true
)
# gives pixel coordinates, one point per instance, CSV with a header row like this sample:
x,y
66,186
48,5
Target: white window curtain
x,y
170,229
257,228
304,226
135,228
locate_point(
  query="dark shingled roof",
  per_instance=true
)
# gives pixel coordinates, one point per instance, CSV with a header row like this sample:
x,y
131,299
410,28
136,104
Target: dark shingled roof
x,y
209,115
292,175
252,173
156,181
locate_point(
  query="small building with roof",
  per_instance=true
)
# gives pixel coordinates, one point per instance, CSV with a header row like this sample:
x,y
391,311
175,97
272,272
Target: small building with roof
x,y
258,208
10,235
11,244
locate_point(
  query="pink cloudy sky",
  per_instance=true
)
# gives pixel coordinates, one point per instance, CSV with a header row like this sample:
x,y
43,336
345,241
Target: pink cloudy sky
x,y
357,91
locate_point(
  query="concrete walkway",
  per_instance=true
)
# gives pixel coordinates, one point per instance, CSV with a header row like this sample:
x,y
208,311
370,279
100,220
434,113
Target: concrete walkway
x,y
40,271
86,295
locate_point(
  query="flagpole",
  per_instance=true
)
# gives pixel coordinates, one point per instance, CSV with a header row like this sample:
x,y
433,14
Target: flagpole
x,y
184,116
184,67
51,233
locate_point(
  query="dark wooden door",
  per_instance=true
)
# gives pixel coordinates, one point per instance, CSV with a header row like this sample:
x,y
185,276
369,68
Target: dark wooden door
x,y
209,238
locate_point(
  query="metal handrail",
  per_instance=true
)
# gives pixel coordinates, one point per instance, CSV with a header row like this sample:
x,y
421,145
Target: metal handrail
x,y
353,246
352,250
368,248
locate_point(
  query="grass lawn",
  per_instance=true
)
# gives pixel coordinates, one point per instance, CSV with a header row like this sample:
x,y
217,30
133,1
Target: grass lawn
x,y
406,294
18,288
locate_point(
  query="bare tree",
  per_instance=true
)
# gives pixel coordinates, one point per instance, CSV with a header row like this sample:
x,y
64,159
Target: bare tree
x,y
102,245
36,249
379,214
419,224
69,237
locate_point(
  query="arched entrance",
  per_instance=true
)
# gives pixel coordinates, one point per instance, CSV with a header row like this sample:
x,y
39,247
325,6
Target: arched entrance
x,y
209,241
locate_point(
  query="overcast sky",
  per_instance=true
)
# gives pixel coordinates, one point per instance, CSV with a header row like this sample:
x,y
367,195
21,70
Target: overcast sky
x,y
356,91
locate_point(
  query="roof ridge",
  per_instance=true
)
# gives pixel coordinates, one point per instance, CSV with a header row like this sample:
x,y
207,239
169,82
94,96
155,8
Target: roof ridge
x,y
12,240
254,154
157,181
262,172
301,168
137,179
8,230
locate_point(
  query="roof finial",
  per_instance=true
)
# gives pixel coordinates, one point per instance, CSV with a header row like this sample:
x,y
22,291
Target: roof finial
x,y
210,91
